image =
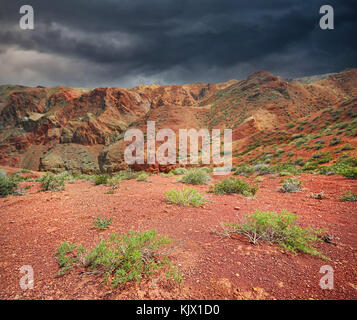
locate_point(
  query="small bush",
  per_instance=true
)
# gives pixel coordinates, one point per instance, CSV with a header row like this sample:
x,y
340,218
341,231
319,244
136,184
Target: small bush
x,y
65,175
347,147
243,169
101,179
278,228
121,258
348,172
291,185
142,177
130,257
186,197
51,182
66,256
7,186
310,166
206,169
167,175
262,169
102,223
334,141
326,170
123,175
179,171
299,161
196,176
349,196
234,185
127,175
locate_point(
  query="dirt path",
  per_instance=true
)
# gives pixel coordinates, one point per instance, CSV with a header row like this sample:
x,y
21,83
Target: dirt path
x,y
33,226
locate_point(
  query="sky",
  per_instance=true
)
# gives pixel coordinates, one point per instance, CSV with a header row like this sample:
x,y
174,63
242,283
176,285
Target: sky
x,y
125,43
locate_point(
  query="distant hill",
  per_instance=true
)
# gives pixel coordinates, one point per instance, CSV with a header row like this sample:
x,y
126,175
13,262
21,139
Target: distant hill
x,y
62,128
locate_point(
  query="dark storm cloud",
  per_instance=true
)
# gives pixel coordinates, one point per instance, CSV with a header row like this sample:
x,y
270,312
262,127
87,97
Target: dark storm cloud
x,y
127,42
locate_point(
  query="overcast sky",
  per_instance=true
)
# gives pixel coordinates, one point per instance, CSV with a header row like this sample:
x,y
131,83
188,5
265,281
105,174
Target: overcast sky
x,y
124,43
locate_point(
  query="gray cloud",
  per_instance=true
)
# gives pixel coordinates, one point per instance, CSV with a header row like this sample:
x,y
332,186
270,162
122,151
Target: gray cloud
x,y
126,43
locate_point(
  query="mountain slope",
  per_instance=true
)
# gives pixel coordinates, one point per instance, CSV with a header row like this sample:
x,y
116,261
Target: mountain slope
x,y
62,128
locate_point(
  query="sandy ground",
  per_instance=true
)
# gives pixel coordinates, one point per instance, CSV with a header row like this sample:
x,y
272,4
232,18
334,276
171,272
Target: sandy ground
x,y
34,225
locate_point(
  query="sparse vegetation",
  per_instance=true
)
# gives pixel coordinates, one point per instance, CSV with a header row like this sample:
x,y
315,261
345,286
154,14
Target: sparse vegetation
x,y
334,141
349,196
291,185
234,185
68,255
51,182
196,176
121,258
277,228
102,223
7,186
179,171
101,179
185,197
142,176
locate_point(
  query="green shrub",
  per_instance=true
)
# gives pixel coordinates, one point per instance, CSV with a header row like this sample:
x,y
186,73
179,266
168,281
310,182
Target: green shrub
x,y
51,182
284,168
234,185
101,179
326,170
322,157
278,228
291,185
127,175
196,176
243,169
121,258
7,186
299,161
349,196
262,169
348,172
179,171
102,223
65,175
186,197
142,177
334,141
347,147
131,257
68,255
309,166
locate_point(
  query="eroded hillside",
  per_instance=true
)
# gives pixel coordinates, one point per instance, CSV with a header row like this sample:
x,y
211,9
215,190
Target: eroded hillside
x,y
61,128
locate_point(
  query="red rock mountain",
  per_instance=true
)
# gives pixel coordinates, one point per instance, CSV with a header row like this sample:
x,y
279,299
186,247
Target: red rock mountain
x,y
62,128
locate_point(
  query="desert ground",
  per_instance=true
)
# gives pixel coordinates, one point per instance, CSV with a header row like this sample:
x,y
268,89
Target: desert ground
x,y
213,266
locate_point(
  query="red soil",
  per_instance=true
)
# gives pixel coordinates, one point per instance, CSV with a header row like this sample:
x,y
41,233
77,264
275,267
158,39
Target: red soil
x,y
33,226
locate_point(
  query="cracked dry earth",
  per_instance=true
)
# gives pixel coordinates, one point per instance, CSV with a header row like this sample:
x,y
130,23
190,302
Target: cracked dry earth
x,y
34,225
